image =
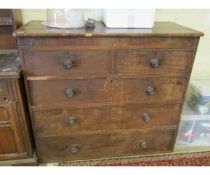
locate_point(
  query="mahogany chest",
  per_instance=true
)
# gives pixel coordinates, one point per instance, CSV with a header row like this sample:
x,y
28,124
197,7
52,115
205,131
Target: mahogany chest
x,y
105,92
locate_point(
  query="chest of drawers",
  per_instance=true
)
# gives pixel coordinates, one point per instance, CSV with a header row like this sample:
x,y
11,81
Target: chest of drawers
x,y
105,92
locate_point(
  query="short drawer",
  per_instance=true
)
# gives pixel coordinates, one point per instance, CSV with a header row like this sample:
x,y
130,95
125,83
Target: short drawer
x,y
67,63
100,91
104,145
59,122
155,62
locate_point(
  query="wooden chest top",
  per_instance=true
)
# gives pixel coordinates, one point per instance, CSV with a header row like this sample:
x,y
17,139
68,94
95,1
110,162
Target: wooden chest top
x,y
160,29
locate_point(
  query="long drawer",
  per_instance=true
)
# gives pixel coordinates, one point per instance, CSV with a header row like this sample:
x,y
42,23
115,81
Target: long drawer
x,y
68,63
100,91
125,142
108,118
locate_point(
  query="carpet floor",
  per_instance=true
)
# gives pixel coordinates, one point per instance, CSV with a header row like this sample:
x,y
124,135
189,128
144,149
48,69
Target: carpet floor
x,y
174,159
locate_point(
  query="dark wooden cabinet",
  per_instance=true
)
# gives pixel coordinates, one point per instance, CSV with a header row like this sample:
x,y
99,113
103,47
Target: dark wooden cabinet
x,y
105,92
10,20
16,141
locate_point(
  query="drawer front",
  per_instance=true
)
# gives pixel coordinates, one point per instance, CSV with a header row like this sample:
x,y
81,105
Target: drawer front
x,y
70,92
104,118
4,91
155,62
55,63
148,90
104,145
92,91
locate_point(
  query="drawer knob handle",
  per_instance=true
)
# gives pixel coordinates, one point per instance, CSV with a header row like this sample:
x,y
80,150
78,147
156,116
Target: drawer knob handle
x,y
154,63
150,90
68,64
143,144
69,92
72,121
74,148
146,117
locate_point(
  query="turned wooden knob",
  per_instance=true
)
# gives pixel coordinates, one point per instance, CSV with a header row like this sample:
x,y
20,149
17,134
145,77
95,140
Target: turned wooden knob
x,y
143,144
154,63
74,148
68,64
69,92
146,117
72,121
150,90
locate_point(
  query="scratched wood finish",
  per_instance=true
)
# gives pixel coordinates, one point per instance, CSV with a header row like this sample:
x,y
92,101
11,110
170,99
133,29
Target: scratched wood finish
x,y
84,62
171,62
104,116
94,91
91,62
54,92
135,89
104,145
58,121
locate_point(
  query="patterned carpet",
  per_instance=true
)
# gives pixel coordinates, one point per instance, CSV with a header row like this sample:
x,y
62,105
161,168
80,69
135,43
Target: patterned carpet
x,y
175,159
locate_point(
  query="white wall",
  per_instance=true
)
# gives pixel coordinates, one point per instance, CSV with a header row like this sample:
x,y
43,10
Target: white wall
x,y
199,20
